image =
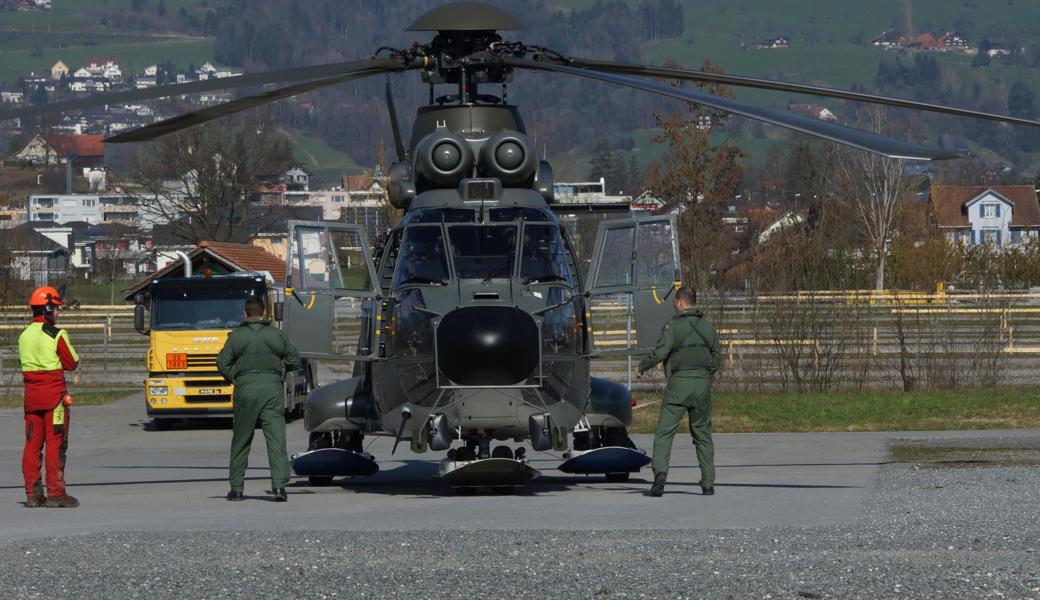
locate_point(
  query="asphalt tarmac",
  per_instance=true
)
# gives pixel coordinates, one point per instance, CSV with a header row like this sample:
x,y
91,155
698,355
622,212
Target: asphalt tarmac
x,y
795,516
130,477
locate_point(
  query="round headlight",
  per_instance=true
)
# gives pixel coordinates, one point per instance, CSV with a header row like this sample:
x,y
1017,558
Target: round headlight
x,y
446,156
509,155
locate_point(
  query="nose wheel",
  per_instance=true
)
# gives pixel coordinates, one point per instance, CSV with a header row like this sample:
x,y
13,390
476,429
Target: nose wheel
x,y
502,470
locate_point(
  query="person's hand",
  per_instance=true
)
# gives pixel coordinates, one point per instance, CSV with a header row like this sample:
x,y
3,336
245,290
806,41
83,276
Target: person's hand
x,y
639,373
67,400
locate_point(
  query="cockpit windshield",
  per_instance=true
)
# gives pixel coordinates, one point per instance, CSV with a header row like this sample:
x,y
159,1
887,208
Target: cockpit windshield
x,y
483,251
544,256
422,258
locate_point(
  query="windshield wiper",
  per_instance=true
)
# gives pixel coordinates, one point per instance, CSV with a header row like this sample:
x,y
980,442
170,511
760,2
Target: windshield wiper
x,y
424,280
544,279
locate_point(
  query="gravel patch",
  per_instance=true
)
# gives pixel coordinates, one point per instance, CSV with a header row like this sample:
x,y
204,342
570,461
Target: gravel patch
x,y
924,533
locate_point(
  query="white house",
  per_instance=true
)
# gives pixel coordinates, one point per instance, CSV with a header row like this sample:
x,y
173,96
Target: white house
x,y
1002,216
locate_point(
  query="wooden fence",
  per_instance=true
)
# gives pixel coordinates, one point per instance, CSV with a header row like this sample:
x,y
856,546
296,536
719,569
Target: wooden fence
x,y
796,342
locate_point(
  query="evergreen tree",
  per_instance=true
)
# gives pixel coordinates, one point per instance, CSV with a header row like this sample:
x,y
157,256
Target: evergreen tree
x,y
39,96
981,59
1020,101
636,179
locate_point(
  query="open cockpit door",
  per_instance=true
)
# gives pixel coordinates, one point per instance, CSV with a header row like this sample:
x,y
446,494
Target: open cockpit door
x,y
635,269
330,290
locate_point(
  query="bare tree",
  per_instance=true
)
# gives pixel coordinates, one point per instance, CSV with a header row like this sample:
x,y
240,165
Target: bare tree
x,y
200,181
700,176
871,186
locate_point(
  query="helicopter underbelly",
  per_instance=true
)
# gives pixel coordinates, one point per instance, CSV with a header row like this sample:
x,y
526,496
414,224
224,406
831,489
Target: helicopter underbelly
x,y
503,412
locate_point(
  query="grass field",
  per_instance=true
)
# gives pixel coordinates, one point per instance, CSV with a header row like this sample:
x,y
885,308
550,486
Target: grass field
x,y
943,456
1007,408
325,162
73,32
86,398
133,55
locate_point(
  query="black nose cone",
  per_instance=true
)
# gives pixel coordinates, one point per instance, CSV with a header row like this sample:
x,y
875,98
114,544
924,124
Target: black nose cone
x,y
487,345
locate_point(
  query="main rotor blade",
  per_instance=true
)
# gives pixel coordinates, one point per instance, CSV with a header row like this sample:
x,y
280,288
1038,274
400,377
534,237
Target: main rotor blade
x,y
394,126
198,117
864,140
209,85
767,84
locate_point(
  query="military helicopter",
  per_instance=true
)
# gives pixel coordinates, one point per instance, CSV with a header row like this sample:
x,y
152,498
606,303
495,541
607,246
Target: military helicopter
x,y
476,326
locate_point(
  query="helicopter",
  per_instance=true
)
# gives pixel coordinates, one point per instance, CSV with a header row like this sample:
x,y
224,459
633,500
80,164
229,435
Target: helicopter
x,y
476,322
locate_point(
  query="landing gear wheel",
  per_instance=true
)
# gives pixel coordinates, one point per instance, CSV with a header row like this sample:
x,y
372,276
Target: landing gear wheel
x,y
465,454
618,477
503,490
501,452
318,440
319,480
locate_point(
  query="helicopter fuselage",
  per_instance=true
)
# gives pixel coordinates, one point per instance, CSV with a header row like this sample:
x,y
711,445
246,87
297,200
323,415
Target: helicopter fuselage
x,y
484,315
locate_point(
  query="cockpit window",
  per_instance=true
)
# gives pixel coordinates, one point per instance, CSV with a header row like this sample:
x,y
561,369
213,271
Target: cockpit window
x,y
516,212
446,215
422,257
483,251
544,257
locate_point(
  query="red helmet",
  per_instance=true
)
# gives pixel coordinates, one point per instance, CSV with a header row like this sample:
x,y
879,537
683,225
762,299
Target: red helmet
x,y
42,296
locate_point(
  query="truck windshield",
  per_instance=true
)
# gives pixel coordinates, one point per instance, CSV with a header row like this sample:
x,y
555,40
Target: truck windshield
x,y
203,304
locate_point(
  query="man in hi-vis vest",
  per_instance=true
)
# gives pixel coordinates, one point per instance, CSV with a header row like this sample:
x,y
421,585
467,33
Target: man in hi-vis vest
x,y
46,353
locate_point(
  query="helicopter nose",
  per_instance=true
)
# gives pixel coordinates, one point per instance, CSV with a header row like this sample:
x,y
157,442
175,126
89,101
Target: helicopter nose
x,y
487,345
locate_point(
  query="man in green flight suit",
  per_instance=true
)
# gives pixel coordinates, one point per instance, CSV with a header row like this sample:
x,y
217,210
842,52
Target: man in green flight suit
x,y
689,347
255,359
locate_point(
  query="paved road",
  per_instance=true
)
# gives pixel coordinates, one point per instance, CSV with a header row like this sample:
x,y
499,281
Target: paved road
x,y
796,516
129,477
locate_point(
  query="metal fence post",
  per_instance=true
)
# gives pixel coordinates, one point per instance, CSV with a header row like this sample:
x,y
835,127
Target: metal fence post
x,y
104,342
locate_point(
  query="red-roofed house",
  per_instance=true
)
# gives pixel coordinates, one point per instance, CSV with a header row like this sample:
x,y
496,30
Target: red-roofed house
x,y
1003,215
925,41
84,150
889,39
218,258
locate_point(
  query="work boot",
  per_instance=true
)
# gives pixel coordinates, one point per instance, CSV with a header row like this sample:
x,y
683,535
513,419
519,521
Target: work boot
x,y
37,498
234,496
657,489
706,491
280,495
62,501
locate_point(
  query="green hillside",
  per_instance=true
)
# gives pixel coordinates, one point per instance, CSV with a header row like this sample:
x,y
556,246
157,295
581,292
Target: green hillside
x,y
78,29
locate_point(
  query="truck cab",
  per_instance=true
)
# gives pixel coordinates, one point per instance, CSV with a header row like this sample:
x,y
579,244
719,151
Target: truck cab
x,y
188,321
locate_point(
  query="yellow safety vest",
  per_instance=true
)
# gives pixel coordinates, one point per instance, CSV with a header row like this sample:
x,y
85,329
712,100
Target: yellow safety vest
x,y
38,347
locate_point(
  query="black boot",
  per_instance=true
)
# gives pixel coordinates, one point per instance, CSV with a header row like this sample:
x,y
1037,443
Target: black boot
x,y
37,498
234,496
62,501
280,495
708,491
657,489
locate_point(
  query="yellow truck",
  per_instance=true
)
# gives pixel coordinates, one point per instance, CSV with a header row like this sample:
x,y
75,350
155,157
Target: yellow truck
x,y
187,322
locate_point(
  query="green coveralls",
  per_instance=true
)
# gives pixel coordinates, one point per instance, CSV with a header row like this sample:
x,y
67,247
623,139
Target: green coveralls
x,y
255,359
689,347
